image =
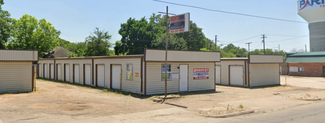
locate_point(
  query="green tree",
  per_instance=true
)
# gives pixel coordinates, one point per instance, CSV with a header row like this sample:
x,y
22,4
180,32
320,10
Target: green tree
x,y
28,33
174,43
137,35
97,43
5,26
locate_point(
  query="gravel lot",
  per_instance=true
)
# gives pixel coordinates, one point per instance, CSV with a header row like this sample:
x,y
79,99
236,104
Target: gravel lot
x,y
60,102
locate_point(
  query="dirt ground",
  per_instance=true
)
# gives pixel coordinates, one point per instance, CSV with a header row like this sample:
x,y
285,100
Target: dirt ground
x,y
59,102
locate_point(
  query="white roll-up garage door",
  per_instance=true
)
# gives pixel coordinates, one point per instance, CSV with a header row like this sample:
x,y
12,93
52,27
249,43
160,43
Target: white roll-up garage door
x,y
67,73
116,76
218,75
46,71
87,74
236,75
76,73
59,72
101,75
40,71
52,71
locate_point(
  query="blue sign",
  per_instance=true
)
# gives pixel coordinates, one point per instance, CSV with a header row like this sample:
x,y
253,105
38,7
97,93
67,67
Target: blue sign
x,y
305,3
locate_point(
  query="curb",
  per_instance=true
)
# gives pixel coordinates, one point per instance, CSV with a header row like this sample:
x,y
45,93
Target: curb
x,y
229,115
310,99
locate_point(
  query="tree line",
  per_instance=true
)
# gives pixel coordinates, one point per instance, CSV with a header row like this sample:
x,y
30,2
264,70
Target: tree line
x,y
31,34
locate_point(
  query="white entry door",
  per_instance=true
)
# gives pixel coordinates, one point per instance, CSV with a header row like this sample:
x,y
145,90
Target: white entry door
x,y
76,73
183,77
101,75
236,75
59,72
218,75
116,76
52,71
87,74
67,73
46,71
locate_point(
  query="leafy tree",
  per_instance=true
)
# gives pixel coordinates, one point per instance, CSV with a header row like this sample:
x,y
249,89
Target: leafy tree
x,y
78,49
97,43
137,35
5,26
31,34
174,43
118,48
63,42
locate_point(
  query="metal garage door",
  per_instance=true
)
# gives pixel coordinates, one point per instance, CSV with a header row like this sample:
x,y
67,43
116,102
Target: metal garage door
x,y
87,74
52,71
59,72
236,75
116,76
40,71
76,73
15,77
101,75
46,71
67,73
218,75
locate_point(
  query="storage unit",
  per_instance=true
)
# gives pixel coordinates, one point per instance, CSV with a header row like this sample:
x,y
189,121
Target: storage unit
x,y
16,70
256,70
142,74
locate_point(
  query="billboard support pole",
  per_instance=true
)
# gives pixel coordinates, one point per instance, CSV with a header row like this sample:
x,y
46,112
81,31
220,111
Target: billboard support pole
x,y
166,52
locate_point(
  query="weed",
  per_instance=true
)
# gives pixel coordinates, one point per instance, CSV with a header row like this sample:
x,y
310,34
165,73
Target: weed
x,y
228,107
240,106
264,112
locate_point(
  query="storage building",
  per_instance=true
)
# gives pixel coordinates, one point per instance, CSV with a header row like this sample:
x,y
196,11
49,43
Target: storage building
x,y
142,74
254,71
16,70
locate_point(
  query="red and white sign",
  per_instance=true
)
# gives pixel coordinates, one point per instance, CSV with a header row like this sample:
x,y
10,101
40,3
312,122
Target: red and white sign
x,y
180,23
200,73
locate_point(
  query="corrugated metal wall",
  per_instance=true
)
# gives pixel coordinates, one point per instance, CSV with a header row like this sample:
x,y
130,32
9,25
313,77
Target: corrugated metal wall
x,y
157,86
264,74
18,55
225,70
15,77
134,85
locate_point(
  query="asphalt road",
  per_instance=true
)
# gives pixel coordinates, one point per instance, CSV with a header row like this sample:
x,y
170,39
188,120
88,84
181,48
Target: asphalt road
x,y
312,113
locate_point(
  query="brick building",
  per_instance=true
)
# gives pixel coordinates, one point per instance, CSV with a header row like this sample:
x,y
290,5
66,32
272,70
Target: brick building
x,y
306,64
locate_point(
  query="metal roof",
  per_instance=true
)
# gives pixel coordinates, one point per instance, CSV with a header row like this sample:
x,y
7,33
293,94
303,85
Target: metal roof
x,y
310,57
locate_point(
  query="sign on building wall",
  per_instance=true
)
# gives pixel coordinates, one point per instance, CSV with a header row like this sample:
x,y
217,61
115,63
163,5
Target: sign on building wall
x,y
175,75
180,23
136,74
200,73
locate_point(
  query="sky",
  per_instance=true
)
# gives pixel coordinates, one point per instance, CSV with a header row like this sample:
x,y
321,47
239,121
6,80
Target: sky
x,y
76,19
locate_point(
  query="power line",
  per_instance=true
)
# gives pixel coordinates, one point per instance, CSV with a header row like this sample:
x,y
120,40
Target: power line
x,y
288,39
234,13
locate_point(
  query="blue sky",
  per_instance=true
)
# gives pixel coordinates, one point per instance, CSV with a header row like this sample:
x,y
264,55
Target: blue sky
x,y
76,19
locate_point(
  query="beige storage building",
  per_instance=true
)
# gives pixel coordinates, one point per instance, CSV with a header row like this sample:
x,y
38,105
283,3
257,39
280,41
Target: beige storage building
x,y
142,74
254,71
16,70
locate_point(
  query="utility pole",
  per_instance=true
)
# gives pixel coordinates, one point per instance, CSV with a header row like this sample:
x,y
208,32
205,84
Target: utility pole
x,y
249,43
166,68
264,42
305,48
215,42
279,46
123,49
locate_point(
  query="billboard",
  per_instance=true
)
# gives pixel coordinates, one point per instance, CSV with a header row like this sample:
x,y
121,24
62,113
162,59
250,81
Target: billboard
x,y
180,23
200,73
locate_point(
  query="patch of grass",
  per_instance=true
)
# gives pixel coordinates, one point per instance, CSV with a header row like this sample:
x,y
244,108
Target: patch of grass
x,y
240,106
264,112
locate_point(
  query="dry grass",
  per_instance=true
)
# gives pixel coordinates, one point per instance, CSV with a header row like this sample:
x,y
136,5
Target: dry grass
x,y
229,109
